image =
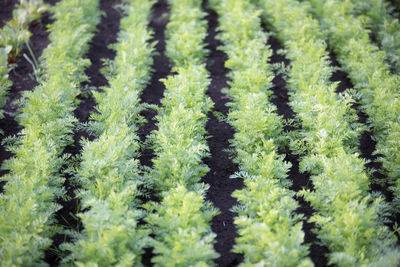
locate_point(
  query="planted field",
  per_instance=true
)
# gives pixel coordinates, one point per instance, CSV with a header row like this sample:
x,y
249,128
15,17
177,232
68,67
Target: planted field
x,y
199,133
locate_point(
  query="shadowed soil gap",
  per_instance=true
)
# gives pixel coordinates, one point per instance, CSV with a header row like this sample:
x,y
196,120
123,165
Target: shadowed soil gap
x,y
153,94
396,8
23,79
300,180
106,34
6,10
51,2
220,164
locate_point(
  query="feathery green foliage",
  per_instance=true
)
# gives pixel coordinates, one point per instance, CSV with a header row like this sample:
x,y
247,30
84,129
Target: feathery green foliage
x,y
347,218
179,142
180,224
27,205
386,28
109,171
5,83
270,233
370,74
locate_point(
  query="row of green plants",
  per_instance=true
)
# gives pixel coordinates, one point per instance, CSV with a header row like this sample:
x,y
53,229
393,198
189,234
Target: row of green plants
x,y
347,218
27,205
270,232
13,35
109,176
376,14
180,223
377,89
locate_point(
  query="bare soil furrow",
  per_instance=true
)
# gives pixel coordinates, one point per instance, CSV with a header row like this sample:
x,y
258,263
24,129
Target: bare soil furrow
x,y
153,94
220,164
6,10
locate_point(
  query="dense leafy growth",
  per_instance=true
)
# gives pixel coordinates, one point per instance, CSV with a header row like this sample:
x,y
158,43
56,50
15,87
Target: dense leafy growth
x,y
385,27
180,146
179,142
181,226
341,184
370,75
27,204
270,232
109,172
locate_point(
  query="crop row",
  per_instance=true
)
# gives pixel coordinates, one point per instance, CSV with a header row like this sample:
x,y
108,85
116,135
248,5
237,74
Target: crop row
x,y
384,26
270,232
12,36
180,222
109,175
347,217
28,203
370,74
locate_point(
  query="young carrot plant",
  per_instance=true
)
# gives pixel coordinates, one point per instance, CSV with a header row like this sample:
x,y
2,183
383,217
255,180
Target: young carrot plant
x,y
28,203
370,75
12,36
109,173
180,223
385,27
16,33
270,234
181,226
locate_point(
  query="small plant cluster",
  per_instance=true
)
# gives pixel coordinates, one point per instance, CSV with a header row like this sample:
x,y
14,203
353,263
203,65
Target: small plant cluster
x,y
180,222
109,174
376,14
370,74
328,144
270,233
27,204
12,36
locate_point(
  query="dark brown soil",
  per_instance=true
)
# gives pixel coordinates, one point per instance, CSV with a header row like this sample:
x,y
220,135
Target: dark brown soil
x,y
51,2
6,10
153,94
220,164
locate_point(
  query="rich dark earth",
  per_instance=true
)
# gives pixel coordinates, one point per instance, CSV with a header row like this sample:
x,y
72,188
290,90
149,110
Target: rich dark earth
x,y
6,8
154,92
220,164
